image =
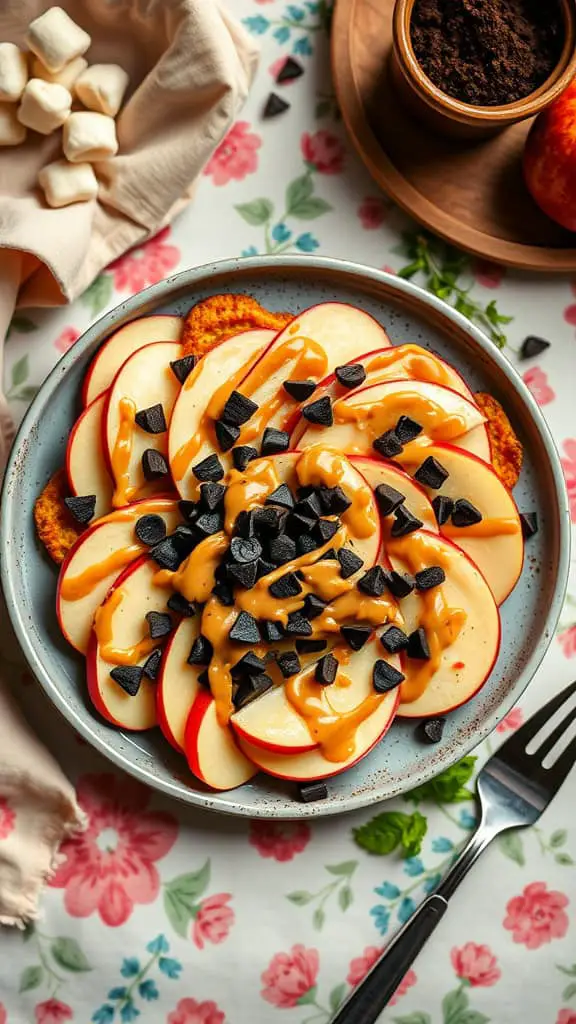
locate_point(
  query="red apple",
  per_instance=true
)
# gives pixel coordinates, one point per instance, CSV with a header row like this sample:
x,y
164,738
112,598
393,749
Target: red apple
x,y
550,159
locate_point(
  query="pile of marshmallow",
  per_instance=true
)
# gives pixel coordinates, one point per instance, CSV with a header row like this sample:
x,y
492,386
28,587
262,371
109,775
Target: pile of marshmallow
x,y
37,90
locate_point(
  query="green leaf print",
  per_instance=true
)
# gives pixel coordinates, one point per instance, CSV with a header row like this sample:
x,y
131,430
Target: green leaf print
x,y
564,859
558,838
453,1005
31,977
181,897
569,992
20,372
448,787
347,867
26,394
300,897
257,212
298,191
319,918
336,996
511,845
20,324
309,209
345,897
68,954
98,294
391,830
414,1018
309,997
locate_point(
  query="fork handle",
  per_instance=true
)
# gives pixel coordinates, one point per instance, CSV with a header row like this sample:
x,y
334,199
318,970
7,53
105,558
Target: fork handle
x,y
365,1004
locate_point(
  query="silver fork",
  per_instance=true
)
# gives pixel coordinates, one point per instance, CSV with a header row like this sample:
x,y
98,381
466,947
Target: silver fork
x,y
514,788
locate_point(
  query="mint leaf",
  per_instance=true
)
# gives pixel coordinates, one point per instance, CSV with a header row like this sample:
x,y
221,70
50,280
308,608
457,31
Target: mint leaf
x,y
181,897
448,787
390,830
511,845
256,212
413,834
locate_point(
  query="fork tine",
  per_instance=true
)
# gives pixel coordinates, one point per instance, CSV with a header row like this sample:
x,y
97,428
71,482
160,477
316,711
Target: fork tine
x,y
555,735
559,770
521,738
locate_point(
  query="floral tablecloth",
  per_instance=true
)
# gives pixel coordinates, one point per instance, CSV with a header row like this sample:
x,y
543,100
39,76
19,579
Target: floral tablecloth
x,y
162,914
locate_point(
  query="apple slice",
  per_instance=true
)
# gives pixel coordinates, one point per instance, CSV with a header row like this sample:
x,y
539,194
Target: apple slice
x,y
96,560
86,463
458,671
415,498
178,684
364,414
145,379
211,750
496,544
121,345
121,620
191,438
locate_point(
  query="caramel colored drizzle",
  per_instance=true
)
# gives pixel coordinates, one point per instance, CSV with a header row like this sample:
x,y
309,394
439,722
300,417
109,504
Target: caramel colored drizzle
x,y
378,417
217,621
497,527
325,466
414,362
104,632
76,587
121,454
197,575
248,489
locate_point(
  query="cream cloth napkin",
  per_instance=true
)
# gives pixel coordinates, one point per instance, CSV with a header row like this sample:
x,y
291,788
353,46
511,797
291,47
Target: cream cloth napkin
x,y
190,67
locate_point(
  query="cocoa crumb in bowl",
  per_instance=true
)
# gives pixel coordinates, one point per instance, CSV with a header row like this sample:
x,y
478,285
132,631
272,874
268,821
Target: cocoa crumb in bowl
x,y
487,52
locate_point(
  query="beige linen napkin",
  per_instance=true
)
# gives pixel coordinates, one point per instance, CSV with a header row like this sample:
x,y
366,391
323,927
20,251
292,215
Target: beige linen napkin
x,y
190,68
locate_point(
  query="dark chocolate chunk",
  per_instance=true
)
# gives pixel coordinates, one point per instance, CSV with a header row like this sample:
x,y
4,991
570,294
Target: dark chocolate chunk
x,y
265,568
290,70
305,544
533,346
356,636
431,731
245,549
319,412
350,562
209,523
154,464
282,549
181,368
250,688
407,429
150,529
274,105
188,510
313,606
211,496
242,455
178,603
305,492
244,574
309,506
249,665
269,520
224,593
298,625
297,524
388,444
529,524
431,577
325,529
373,582
203,679
287,586
418,645
210,469
226,435
388,499
271,631
128,677
400,584
244,525
81,507
442,508
281,496
274,441
152,419
168,553
201,651
431,473
159,624
312,791
299,389
351,375
152,664
404,522
385,677
334,501
393,640
185,538
465,513
238,409
311,646
326,670
245,629
289,664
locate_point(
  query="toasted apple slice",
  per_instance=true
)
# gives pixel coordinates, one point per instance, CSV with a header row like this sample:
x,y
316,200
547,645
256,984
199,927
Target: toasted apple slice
x,y
178,684
212,753
121,345
86,463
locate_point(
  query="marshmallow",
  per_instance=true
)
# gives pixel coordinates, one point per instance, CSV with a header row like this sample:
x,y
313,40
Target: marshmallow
x,y
89,136
66,77
13,72
56,39
102,88
12,133
65,183
45,106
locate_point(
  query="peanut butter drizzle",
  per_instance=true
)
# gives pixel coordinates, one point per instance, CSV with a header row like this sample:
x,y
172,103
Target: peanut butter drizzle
x,y
375,418
121,454
104,633
76,587
356,607
325,466
197,575
414,362
217,621
248,489
497,527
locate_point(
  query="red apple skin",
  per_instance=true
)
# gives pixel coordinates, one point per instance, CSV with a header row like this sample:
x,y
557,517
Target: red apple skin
x,y
197,711
99,355
550,160
160,709
273,748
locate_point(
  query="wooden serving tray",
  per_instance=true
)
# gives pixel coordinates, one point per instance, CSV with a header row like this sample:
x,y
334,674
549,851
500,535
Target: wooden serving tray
x,y
470,193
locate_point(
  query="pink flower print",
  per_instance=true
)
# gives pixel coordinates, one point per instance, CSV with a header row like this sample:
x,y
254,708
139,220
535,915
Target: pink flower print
x,y
513,720
52,1012
475,964
66,339
324,151
387,269
569,467
112,866
3,1014
7,820
568,641
488,274
537,382
408,980
537,916
566,1016
281,840
214,920
290,976
146,264
188,1011
360,966
372,212
236,156
570,313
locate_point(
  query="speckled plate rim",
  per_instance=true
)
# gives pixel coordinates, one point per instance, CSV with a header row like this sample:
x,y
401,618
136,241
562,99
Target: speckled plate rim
x,y
161,294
